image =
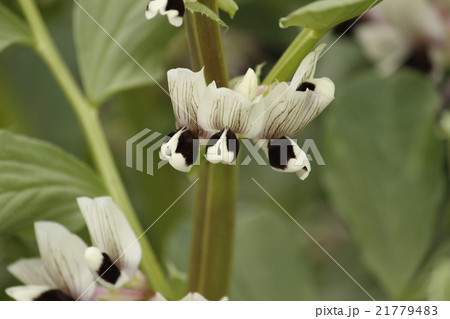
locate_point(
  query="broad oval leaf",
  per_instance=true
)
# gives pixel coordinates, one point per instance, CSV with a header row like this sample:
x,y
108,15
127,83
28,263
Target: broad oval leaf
x,y
105,67
325,14
385,171
12,29
39,181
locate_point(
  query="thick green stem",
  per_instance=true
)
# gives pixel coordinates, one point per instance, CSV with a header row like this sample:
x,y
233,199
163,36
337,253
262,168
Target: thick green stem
x,y
98,145
293,55
215,210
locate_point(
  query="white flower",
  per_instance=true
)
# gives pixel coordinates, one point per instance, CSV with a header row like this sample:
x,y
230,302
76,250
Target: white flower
x,y
191,296
115,253
61,272
173,9
289,108
181,147
230,114
391,39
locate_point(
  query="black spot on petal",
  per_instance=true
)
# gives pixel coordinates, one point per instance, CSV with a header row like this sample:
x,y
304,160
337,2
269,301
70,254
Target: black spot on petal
x,y
280,152
306,86
176,5
188,147
232,143
53,295
108,271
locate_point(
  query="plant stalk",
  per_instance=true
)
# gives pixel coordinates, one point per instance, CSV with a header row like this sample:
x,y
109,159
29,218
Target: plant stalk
x,y
96,139
215,209
294,54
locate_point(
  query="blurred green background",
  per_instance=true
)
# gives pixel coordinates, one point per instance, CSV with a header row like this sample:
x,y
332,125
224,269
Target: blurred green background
x,y
379,206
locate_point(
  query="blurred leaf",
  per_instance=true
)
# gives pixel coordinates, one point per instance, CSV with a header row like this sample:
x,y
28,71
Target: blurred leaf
x,y
12,29
385,171
202,9
40,182
229,6
325,14
270,262
439,285
105,68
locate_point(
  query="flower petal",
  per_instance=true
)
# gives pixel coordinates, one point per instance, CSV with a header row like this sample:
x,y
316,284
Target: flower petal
x,y
286,156
37,293
111,233
222,147
180,149
62,254
186,88
248,86
173,9
154,7
31,271
307,67
223,108
109,275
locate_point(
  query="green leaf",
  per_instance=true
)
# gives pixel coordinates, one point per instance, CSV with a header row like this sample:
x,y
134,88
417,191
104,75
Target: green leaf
x,y
439,285
385,171
105,67
202,9
270,261
325,14
229,6
12,29
41,182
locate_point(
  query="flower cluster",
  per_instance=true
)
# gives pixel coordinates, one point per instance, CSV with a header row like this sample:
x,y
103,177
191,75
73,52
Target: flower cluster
x,y
67,267
419,37
69,270
224,115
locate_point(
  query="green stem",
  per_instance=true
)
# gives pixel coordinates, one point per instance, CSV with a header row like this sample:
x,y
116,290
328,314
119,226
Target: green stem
x,y
215,210
293,55
97,142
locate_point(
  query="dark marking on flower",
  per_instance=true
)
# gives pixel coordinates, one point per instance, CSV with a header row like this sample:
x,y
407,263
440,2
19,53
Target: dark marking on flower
x,y
420,59
108,271
280,151
306,86
232,142
53,295
176,5
188,147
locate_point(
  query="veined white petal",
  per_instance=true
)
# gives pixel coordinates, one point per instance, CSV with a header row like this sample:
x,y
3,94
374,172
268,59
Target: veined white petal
x,y
180,149
186,88
31,271
307,105
223,108
307,67
111,233
286,156
154,7
222,147
277,116
63,256
248,86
